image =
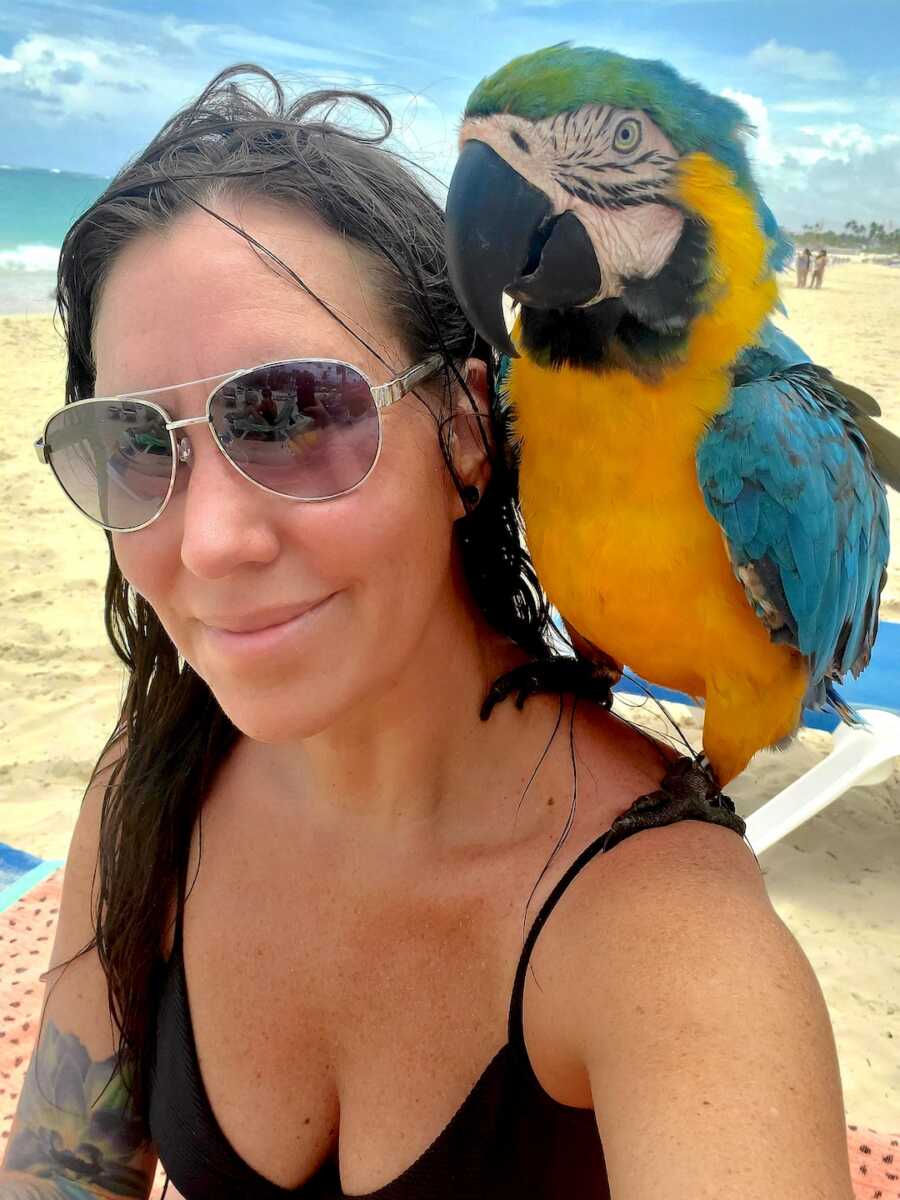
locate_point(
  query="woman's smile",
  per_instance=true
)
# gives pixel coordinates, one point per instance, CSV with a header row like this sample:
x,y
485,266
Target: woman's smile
x,y
252,643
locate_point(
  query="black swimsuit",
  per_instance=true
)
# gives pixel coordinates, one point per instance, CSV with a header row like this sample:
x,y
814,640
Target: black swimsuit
x,y
508,1141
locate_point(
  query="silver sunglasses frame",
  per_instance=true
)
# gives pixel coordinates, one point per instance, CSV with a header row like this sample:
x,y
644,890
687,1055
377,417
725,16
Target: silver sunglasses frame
x,y
383,395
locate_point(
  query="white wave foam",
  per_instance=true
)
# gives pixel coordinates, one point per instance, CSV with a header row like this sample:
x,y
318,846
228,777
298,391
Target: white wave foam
x,y
30,258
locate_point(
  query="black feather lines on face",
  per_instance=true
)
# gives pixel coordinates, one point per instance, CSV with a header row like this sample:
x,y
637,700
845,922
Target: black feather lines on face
x,y
641,330
579,138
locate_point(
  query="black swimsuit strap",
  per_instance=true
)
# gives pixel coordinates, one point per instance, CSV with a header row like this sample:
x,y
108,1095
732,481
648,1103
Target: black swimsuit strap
x,y
647,812
515,1031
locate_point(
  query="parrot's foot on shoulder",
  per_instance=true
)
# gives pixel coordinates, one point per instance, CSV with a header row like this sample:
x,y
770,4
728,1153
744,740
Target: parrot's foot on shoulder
x,y
687,791
592,681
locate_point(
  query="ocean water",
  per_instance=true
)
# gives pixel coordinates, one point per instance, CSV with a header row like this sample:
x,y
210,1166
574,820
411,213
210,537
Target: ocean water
x,y
36,208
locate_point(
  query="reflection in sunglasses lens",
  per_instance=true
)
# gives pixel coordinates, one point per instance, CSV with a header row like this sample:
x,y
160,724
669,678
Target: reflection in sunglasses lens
x,y
302,429
114,459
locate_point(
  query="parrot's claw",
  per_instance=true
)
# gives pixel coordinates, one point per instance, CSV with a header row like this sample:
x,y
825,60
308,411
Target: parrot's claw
x,y
687,790
554,675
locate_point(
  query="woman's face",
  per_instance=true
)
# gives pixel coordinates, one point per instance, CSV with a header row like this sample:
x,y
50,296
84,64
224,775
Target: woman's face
x,y
197,301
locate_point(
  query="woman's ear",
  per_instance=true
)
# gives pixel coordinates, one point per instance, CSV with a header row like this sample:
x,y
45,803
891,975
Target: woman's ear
x,y
471,435
475,372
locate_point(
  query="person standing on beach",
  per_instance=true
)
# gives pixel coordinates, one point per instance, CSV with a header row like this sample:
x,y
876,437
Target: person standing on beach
x,y
819,269
324,929
802,267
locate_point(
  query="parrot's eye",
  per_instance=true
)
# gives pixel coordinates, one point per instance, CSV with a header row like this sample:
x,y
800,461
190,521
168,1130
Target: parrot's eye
x,y
628,135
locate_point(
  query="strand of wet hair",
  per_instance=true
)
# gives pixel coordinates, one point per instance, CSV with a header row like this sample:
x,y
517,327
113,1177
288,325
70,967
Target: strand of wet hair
x,y
567,828
271,254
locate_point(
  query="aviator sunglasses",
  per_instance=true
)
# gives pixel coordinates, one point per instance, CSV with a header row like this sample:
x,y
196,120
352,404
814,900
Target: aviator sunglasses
x,y
302,428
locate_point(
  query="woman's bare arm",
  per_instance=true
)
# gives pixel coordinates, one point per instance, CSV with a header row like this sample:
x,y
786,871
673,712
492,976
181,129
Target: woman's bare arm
x,y
700,1027
75,1135
73,1123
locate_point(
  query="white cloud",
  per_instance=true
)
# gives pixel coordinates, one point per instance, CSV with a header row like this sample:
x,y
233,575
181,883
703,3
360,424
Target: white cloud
x,y
61,79
845,138
811,65
762,149
185,33
842,141
247,44
815,106
863,186
805,156
828,171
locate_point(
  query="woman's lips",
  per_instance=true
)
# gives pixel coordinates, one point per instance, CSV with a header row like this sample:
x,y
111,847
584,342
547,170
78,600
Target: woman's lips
x,y
272,637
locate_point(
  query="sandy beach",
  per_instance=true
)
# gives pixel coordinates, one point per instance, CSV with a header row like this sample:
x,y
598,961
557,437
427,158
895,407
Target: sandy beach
x,y
835,882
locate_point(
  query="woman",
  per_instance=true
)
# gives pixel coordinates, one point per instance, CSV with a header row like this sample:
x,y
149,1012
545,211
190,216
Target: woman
x,y
804,259
313,598
818,268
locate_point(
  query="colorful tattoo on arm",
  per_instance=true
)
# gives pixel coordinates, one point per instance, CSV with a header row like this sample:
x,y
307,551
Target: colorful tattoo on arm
x,y
14,1186
75,1127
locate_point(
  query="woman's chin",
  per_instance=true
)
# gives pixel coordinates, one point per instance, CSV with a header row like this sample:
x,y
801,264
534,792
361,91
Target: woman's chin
x,y
280,728
288,705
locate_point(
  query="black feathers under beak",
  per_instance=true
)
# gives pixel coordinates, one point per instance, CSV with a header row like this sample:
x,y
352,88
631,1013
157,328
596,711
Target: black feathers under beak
x,y
502,236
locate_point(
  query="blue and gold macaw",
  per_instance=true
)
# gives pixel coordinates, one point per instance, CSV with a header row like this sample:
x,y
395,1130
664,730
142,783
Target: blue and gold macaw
x,y
701,502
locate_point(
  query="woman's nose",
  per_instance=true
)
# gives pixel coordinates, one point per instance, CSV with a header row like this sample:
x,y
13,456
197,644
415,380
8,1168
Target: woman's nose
x,y
225,520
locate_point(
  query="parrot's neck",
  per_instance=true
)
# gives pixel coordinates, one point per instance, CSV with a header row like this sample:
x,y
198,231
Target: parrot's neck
x,y
742,290
613,435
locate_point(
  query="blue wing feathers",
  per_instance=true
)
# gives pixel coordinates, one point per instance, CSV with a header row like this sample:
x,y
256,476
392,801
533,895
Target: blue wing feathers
x,y
746,516
788,476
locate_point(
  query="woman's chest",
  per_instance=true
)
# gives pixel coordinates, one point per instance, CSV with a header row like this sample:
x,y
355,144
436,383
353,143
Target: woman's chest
x,y
320,1004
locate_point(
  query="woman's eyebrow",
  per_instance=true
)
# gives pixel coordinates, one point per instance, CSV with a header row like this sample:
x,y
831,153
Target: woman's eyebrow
x,y
167,390
177,402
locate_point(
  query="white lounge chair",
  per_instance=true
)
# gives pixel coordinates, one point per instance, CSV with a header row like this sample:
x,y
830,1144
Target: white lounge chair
x,y
858,757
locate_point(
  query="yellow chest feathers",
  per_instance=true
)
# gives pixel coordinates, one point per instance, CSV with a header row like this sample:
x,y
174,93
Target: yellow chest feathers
x,y
608,479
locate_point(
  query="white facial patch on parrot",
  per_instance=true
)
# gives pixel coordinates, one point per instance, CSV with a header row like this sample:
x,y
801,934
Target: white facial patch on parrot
x,y
612,167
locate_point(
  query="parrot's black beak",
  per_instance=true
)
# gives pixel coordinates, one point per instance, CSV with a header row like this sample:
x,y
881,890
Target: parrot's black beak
x,y
502,236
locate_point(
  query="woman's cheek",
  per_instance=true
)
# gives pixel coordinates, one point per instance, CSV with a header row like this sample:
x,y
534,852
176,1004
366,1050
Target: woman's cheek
x,y
137,558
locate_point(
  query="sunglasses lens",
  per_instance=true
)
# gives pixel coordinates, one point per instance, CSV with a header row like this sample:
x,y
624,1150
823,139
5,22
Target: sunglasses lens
x,y
113,458
303,429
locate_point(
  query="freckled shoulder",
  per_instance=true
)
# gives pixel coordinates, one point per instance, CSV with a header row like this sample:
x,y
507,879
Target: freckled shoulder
x,y
620,903
620,762
678,995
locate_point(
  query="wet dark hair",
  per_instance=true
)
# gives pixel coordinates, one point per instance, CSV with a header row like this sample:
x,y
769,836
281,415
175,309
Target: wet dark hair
x,y
171,736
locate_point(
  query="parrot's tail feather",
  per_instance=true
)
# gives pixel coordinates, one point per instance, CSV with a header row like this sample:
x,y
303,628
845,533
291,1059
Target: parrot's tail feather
x,y
845,711
885,447
786,742
639,687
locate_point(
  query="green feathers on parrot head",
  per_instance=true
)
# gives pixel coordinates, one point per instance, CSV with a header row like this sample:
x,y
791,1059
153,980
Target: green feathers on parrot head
x,y
563,78
565,197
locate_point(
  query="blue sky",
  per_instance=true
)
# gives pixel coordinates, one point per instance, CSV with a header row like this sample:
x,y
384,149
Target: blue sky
x,y
85,85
